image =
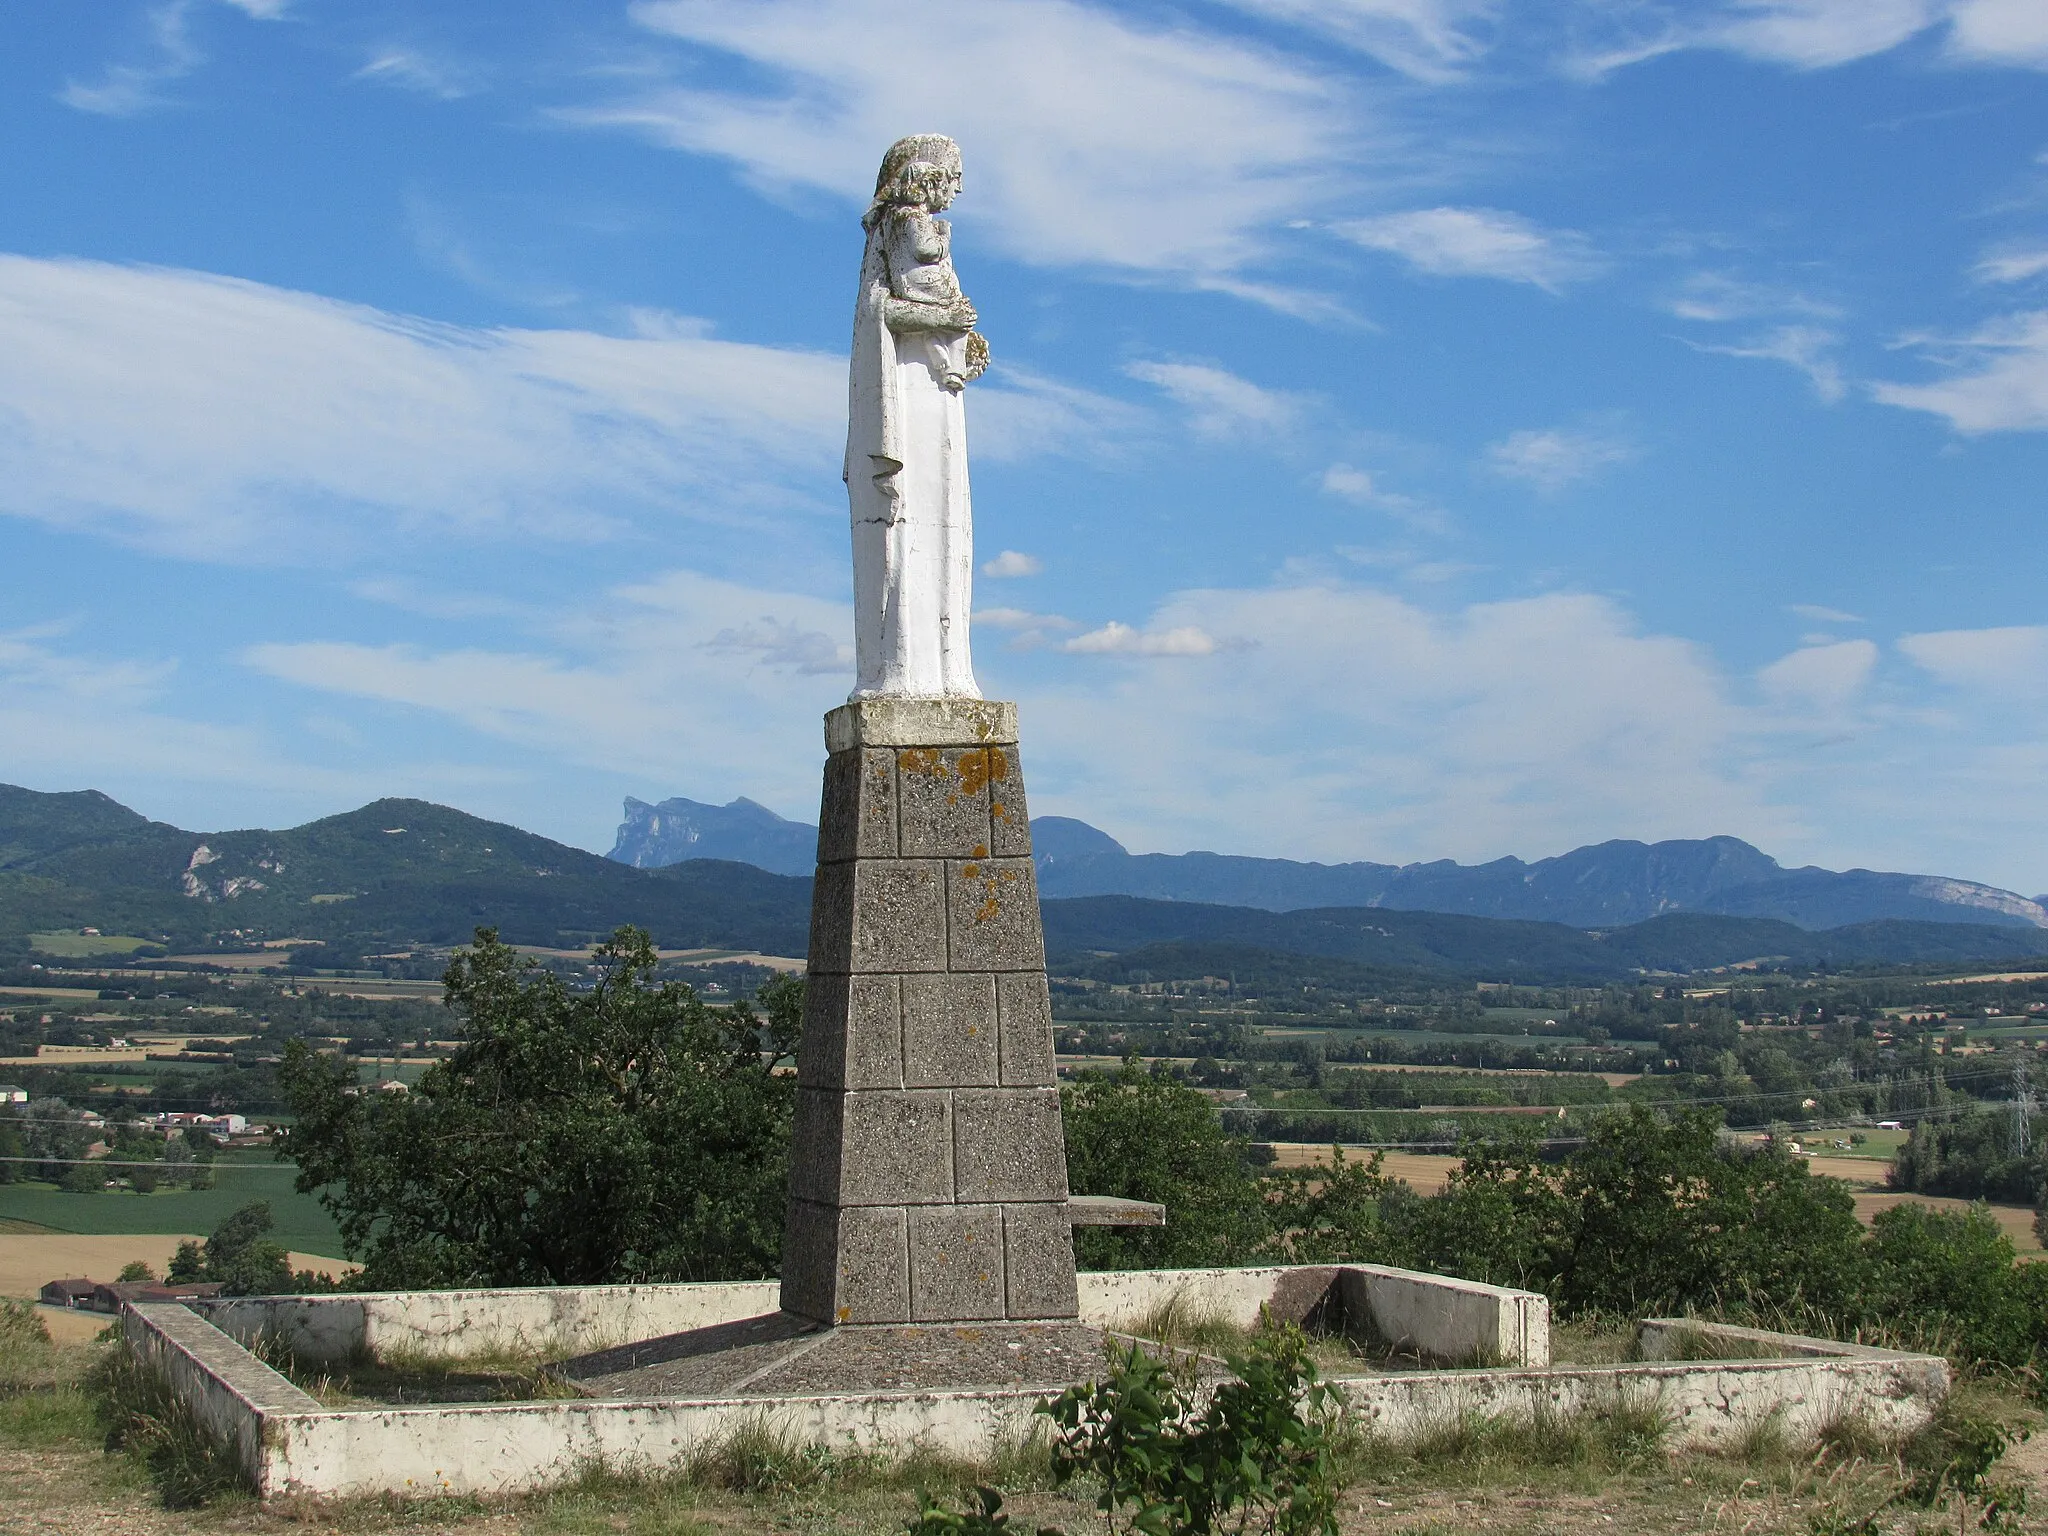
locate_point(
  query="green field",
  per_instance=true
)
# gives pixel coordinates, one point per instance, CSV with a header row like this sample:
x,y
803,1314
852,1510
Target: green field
x,y
302,1225
71,945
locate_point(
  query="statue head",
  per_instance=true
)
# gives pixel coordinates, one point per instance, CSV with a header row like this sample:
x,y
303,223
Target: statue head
x,y
921,171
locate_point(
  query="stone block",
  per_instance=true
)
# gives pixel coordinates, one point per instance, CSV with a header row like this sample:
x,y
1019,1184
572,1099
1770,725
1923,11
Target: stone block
x,y
846,1266
1024,1030
949,1031
853,1033
817,1138
895,1149
920,723
942,800
992,905
1038,1262
1008,813
956,1263
857,818
1007,1145
896,916
831,948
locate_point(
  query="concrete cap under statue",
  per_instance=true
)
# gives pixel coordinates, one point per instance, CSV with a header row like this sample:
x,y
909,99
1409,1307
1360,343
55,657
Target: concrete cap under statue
x,y
888,722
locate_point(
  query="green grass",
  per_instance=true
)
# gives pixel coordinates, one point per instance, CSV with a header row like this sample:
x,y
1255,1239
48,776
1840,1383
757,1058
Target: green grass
x,y
77,946
302,1225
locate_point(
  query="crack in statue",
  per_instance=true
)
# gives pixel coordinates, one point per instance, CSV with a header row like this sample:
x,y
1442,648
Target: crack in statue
x,y
915,350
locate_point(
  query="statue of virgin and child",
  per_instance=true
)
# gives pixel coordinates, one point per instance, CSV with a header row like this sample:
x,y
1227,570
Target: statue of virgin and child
x,y
915,350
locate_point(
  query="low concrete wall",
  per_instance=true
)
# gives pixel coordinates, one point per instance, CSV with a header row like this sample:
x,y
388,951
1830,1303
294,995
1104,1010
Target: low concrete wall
x,y
508,1447
564,1320
1117,1298
1457,1321
225,1387
1438,1317
1704,1404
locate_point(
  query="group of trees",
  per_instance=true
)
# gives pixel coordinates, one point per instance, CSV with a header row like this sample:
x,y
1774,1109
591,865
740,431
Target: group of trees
x,y
631,1132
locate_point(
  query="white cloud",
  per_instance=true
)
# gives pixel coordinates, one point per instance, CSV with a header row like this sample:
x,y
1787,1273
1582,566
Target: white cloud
x,y
1802,34
1218,402
1823,615
2015,264
1021,618
1115,639
1805,347
678,670
1090,139
1555,458
409,69
1477,242
1351,484
1717,296
125,90
1351,723
1825,677
2000,32
1012,562
207,417
1997,381
2007,662
1431,40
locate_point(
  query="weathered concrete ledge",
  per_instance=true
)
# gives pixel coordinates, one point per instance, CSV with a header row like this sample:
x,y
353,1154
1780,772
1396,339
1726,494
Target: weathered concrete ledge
x,y
921,723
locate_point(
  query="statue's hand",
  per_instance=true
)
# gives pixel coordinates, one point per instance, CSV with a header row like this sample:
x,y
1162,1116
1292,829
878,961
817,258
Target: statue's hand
x,y
962,313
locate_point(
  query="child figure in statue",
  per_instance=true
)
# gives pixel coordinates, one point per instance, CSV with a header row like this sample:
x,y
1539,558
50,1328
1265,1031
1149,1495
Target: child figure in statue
x,y
915,350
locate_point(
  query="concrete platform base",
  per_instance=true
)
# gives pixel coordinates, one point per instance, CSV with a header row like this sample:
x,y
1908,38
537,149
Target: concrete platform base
x,y
782,1355
679,1369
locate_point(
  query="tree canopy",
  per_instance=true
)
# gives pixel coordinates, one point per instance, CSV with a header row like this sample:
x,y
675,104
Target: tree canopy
x,y
626,1133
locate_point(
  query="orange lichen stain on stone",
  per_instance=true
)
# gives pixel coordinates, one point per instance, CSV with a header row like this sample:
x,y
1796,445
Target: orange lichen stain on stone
x,y
987,911
845,1313
998,766
981,850
974,771
970,871
925,760
998,810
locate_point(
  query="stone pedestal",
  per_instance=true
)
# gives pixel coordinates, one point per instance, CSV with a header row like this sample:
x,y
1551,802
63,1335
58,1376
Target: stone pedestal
x,y
928,1180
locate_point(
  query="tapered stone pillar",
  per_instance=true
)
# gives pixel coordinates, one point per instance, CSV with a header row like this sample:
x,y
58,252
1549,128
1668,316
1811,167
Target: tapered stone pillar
x,y
928,1180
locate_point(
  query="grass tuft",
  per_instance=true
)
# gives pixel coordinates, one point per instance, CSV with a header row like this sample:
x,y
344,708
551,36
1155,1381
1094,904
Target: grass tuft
x,y
1180,1322
143,1415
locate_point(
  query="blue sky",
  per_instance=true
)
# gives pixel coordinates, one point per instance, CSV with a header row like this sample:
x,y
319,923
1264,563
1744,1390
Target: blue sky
x,y
1419,428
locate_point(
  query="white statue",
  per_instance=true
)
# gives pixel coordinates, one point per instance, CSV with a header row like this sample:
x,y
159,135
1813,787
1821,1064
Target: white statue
x,y
914,350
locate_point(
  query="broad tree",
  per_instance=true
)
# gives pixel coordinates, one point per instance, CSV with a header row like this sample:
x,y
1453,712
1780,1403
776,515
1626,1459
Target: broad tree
x,y
627,1133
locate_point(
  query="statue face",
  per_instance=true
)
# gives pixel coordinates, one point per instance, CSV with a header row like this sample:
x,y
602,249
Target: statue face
x,y
940,185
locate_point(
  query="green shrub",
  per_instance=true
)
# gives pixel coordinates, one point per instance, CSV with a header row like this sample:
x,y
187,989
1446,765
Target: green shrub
x,y
1261,1449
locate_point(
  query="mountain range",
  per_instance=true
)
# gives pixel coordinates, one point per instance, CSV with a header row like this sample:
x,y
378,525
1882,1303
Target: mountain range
x,y
401,873
1606,884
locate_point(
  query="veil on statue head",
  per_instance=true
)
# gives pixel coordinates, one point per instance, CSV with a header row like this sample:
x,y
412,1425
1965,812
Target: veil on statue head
x,y
909,161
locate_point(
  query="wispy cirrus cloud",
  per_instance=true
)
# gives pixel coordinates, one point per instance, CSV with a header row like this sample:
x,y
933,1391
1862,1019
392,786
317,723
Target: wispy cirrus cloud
x,y
1996,377
1219,403
1552,459
1432,40
1808,348
1478,242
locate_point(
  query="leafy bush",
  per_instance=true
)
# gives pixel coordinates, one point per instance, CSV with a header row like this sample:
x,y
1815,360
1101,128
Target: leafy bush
x,y
1259,1454
628,1133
